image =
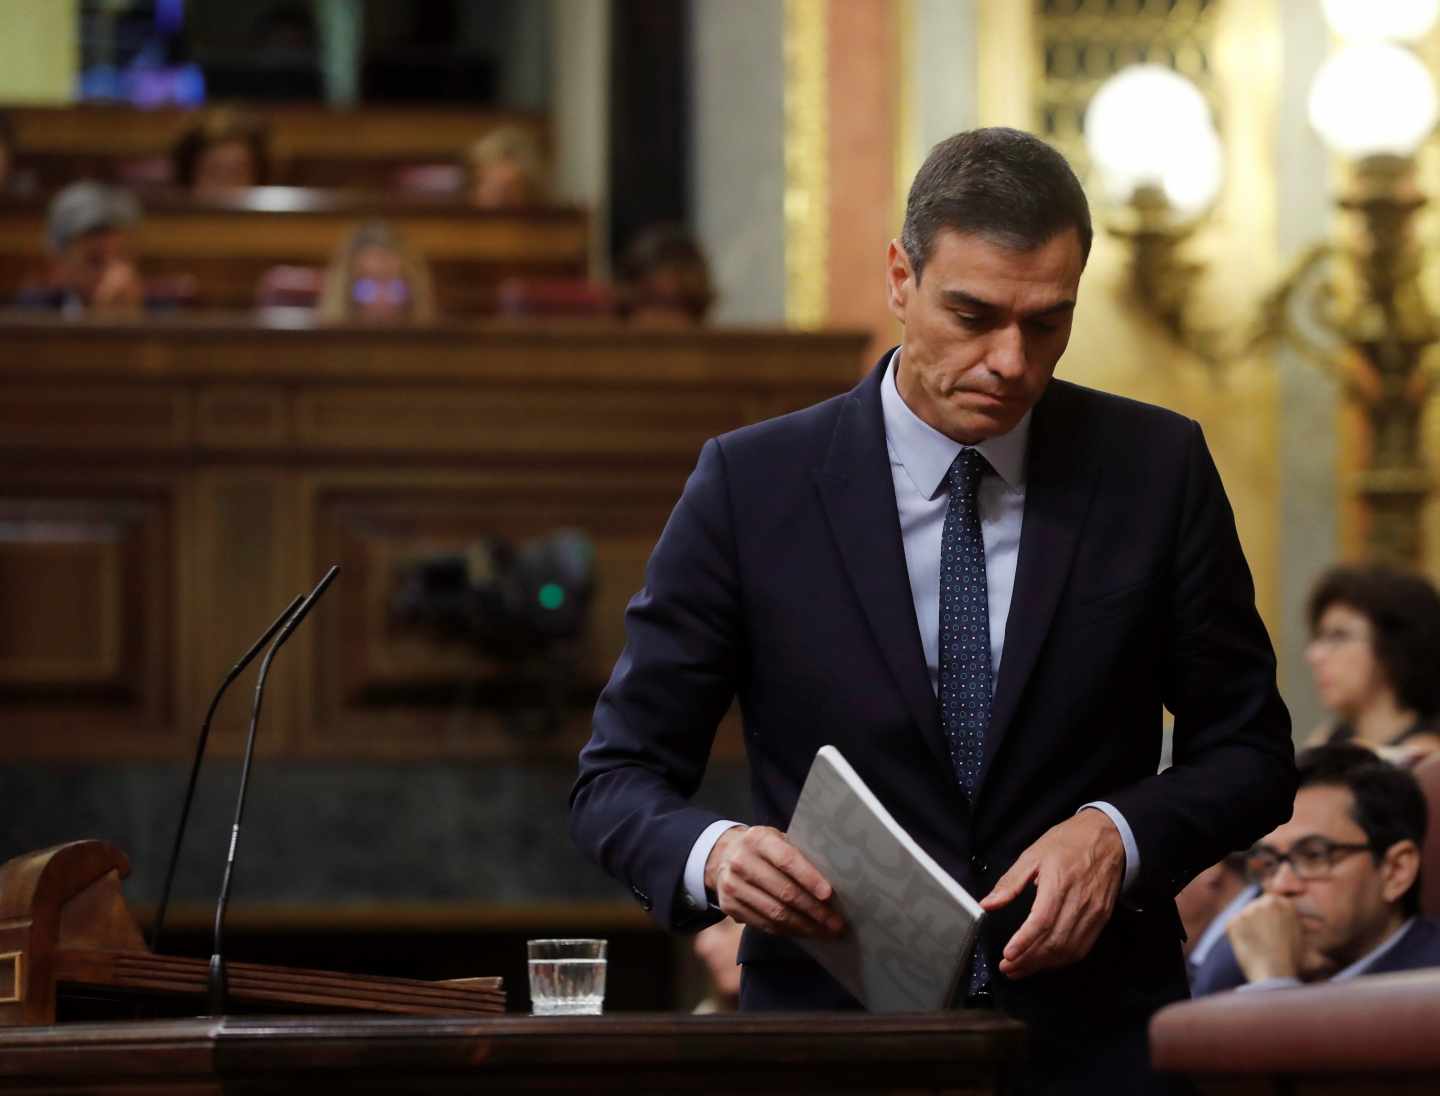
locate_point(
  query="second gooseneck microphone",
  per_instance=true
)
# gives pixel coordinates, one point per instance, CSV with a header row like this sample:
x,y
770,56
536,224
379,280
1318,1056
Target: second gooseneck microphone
x,y
235,672
217,963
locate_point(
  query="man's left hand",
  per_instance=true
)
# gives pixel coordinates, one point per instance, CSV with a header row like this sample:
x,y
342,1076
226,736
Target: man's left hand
x,y
1077,867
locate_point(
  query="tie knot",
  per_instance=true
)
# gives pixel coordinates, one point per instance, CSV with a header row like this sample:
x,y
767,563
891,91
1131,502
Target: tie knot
x,y
965,471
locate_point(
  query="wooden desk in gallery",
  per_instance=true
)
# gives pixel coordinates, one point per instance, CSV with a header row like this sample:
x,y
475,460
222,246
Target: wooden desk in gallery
x,y
167,487
227,244
937,1053
1372,1035
310,145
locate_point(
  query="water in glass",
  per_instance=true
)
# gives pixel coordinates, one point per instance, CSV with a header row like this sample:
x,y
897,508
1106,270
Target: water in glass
x,y
567,986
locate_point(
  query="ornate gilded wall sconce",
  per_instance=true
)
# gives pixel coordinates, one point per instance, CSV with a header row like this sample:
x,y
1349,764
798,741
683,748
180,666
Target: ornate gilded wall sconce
x,y
1353,304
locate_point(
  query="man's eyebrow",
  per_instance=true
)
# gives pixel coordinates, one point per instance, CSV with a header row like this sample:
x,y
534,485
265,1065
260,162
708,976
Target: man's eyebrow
x,y
958,298
1312,836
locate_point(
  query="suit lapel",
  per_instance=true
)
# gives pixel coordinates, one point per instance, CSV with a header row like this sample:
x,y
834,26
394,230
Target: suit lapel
x,y
1409,952
858,494
1060,480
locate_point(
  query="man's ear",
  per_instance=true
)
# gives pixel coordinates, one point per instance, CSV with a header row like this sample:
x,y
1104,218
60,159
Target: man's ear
x,y
1398,869
899,280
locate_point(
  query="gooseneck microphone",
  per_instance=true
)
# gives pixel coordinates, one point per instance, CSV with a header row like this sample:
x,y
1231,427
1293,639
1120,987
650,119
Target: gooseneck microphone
x,y
217,962
235,672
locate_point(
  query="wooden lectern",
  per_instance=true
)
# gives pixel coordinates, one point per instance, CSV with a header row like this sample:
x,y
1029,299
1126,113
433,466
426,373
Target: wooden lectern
x,y
65,928
934,1054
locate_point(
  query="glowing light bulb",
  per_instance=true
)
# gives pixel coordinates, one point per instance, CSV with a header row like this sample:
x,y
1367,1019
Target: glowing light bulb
x,y
1149,126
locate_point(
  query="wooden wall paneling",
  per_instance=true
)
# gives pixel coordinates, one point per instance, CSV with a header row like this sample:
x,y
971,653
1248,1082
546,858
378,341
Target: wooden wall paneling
x,y
230,417
192,696
756,369
64,611
538,420
212,469
135,418
247,573
45,350
88,613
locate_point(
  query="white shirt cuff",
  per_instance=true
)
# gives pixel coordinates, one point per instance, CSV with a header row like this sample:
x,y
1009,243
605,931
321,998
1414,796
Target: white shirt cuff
x,y
1268,983
695,862
1127,837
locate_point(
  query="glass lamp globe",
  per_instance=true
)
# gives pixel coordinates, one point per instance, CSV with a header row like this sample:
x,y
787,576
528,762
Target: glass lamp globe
x,y
1373,99
1381,20
1148,126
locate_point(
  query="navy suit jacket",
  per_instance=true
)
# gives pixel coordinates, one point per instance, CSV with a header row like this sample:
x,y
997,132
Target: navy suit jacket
x,y
780,579
1417,949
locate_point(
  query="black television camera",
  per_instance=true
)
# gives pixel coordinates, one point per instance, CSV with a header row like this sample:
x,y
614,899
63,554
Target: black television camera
x,y
525,607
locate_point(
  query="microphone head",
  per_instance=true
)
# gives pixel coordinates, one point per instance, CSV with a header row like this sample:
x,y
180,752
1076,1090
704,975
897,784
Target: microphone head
x,y
305,606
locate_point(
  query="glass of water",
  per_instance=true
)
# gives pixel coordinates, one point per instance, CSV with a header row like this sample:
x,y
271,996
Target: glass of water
x,y
567,977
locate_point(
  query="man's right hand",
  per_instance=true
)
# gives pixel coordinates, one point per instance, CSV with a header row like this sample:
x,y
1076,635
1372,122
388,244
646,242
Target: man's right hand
x,y
1266,938
760,879
119,288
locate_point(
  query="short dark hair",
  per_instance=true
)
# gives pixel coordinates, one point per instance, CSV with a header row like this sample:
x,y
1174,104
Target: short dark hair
x,y
1003,184
217,127
1388,803
659,249
1404,614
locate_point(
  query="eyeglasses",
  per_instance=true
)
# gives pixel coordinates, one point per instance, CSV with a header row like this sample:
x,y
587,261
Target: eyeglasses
x,y
1312,858
1337,637
374,290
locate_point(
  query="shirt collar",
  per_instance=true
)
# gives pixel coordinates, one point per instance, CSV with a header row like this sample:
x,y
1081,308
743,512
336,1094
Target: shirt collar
x,y
1216,929
926,454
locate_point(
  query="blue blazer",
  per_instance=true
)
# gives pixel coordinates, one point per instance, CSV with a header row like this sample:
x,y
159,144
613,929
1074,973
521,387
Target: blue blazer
x,y
780,580
1418,948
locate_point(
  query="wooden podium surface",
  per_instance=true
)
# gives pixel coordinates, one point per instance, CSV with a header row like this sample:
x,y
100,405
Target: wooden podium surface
x,y
837,1052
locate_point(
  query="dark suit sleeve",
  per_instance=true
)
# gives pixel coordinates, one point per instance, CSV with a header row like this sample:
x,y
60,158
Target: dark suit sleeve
x,y
1219,972
1233,777
656,719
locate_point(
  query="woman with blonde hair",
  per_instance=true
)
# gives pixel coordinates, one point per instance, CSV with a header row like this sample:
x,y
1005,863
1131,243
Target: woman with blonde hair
x,y
376,277
507,170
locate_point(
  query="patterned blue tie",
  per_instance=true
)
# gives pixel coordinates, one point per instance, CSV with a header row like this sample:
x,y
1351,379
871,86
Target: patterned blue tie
x,y
964,622
965,671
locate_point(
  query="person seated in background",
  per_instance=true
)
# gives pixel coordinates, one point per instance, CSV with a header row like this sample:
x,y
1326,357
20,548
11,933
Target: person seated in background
x,y
1340,882
664,279
223,152
1374,650
87,228
506,170
376,278
1208,903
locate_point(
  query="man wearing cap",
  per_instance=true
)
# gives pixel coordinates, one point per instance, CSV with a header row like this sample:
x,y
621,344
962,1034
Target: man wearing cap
x,y
87,230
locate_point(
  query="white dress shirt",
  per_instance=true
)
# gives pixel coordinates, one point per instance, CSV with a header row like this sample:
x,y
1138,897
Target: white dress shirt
x,y
920,456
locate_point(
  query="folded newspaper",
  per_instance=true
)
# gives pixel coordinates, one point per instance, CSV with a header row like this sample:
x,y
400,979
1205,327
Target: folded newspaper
x,y
910,926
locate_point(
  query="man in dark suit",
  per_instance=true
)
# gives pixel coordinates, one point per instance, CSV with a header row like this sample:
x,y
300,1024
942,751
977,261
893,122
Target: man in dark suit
x,y
982,586
1341,883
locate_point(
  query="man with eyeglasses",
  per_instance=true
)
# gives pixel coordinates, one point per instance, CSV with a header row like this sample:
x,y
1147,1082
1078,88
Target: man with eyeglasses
x,y
1340,889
